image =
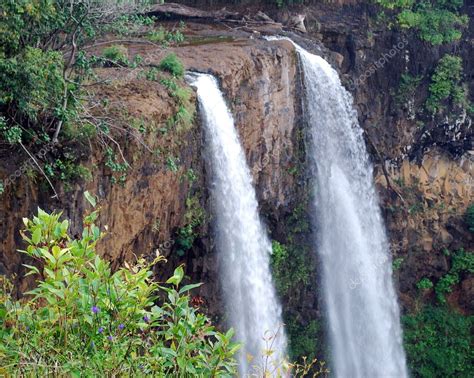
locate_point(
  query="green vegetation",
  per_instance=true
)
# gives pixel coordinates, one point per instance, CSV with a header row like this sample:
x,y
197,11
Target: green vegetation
x,y
85,319
39,41
397,263
166,37
436,21
438,343
118,169
117,54
44,64
173,65
446,86
194,217
462,263
293,274
289,266
424,283
307,341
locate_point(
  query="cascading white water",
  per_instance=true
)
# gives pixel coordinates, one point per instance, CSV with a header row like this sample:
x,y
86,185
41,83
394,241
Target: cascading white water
x,y
242,243
364,319
363,313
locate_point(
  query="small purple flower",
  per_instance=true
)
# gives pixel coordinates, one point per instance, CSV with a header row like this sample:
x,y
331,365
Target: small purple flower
x,y
95,309
100,330
121,326
146,319
110,338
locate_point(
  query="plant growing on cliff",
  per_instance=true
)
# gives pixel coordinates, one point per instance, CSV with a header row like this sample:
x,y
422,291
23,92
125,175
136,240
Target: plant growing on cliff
x,y
424,284
171,63
436,21
462,263
85,319
446,86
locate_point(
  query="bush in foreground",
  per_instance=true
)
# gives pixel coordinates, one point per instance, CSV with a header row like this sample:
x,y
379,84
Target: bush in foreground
x,y
84,319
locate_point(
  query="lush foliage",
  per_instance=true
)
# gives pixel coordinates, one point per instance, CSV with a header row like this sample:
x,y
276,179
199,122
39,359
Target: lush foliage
x,y
446,85
36,83
437,21
85,319
438,343
289,267
462,263
424,283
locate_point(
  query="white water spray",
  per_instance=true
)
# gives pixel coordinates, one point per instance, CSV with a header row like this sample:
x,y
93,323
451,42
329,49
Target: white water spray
x,y
243,246
363,313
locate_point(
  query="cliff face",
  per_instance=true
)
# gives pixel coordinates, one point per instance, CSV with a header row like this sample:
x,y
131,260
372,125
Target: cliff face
x,y
427,160
429,168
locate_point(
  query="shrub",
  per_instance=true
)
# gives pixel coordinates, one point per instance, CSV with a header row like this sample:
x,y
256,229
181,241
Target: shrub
x,y
446,85
32,82
37,85
116,54
85,319
462,263
437,342
424,283
173,65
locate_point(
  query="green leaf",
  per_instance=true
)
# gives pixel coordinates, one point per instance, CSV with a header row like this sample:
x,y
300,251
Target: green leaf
x,y
90,198
186,288
36,237
177,276
33,269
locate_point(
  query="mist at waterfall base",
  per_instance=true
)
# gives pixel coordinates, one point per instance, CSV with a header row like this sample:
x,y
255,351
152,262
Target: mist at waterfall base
x,y
361,304
243,247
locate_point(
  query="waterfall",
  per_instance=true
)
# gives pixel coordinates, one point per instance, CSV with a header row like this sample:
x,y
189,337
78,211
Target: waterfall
x,y
361,303
242,244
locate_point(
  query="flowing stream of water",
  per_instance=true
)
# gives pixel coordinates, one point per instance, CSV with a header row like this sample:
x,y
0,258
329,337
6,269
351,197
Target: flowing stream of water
x,y
241,240
364,318
361,303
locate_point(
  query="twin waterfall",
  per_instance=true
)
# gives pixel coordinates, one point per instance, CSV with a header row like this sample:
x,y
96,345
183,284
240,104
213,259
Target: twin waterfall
x,y
361,305
242,244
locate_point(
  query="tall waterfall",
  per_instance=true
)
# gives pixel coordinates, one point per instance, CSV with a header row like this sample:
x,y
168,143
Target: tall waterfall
x,y
364,319
362,308
243,246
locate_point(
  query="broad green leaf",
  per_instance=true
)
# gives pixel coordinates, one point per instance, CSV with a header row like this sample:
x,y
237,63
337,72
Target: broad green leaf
x,y
186,288
177,276
36,237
